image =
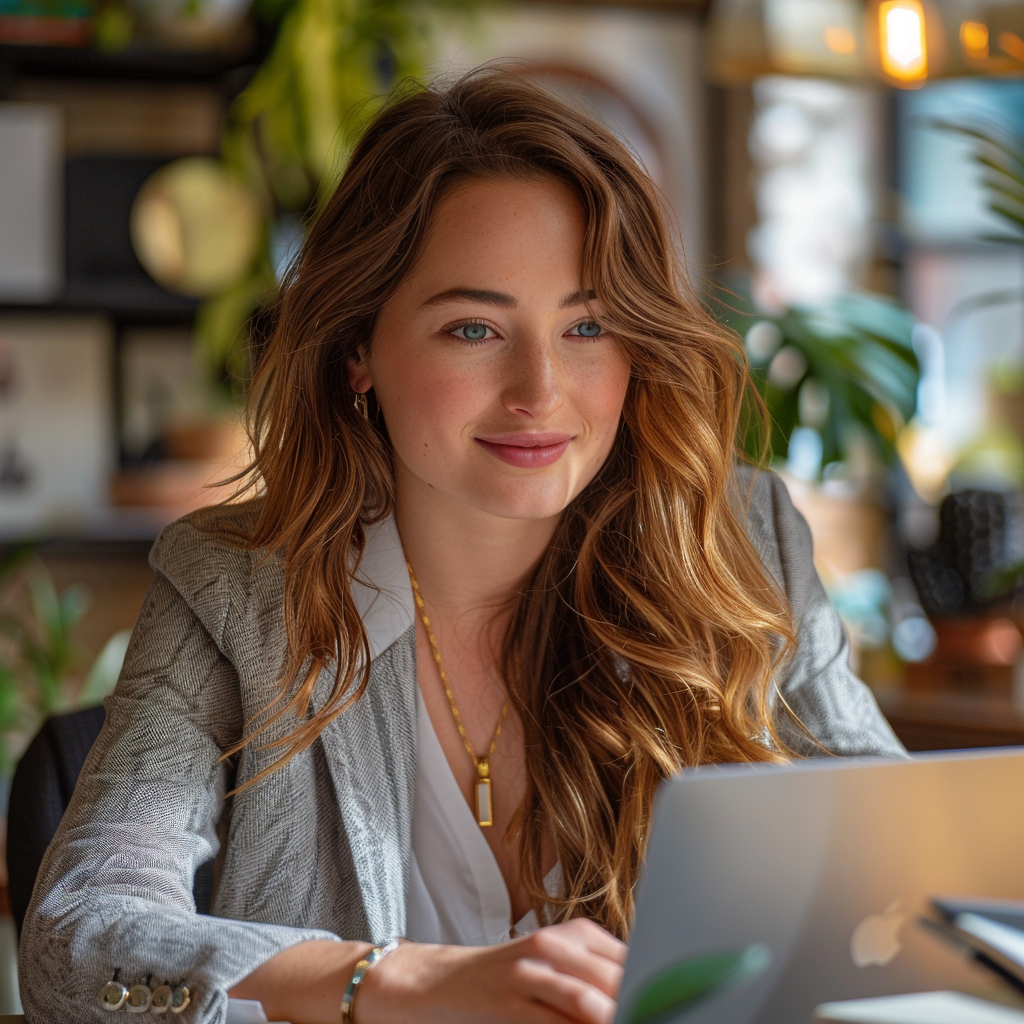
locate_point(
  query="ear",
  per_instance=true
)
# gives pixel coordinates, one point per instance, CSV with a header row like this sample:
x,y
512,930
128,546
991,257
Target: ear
x,y
359,378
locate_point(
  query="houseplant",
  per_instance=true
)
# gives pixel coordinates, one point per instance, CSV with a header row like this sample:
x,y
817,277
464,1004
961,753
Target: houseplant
x,y
290,131
43,668
997,152
838,382
846,371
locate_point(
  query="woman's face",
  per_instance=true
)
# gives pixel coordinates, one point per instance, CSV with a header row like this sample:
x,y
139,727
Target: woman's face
x,y
498,389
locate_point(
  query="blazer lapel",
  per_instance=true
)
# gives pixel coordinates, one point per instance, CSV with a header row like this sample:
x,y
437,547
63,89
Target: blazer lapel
x,y
371,748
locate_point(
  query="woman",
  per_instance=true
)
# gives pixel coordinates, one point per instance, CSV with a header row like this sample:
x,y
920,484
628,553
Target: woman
x,y
496,577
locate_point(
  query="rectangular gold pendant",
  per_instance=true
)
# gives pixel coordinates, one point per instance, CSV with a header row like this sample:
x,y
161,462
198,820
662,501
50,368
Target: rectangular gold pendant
x,y
484,815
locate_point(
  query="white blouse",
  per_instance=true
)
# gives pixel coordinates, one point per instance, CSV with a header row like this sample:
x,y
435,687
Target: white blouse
x,y
457,893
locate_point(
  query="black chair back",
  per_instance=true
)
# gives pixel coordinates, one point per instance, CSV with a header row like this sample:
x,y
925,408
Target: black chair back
x,y
40,793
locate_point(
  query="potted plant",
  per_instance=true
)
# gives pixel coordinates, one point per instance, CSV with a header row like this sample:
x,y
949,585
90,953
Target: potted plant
x,y
43,668
838,383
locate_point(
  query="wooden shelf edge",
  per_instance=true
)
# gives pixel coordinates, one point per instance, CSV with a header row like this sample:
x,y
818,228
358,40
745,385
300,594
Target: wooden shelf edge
x,y
138,61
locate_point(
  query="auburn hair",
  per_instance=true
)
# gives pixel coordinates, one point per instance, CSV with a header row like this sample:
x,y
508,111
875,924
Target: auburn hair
x,y
648,637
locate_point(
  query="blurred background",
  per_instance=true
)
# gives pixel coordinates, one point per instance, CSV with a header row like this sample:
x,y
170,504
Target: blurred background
x,y
848,179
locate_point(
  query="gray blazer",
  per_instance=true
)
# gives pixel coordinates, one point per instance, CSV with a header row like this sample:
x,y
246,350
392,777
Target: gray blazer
x,y
321,848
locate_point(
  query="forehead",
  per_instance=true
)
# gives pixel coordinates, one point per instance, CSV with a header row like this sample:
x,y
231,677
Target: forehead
x,y
493,231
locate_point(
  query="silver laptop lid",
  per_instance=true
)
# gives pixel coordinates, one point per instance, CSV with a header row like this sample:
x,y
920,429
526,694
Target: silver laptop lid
x,y
791,886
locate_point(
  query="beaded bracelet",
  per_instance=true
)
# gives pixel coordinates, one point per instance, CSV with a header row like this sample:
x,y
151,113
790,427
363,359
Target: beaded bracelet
x,y
372,958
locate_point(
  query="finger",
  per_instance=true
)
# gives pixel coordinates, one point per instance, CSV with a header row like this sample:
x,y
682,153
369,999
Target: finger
x,y
569,957
597,939
527,1010
565,952
575,999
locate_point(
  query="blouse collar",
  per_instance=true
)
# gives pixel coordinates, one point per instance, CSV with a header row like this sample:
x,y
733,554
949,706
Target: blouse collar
x,y
381,588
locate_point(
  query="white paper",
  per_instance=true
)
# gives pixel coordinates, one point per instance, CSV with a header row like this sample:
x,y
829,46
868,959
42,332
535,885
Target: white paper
x,y
921,1008
1000,937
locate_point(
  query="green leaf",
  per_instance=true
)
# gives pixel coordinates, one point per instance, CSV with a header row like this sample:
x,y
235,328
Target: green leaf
x,y
860,347
976,303
1013,214
675,990
999,153
47,646
222,322
105,669
73,604
1001,581
45,602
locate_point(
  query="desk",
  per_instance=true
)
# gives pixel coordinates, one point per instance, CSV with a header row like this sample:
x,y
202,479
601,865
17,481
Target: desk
x,y
952,721
929,721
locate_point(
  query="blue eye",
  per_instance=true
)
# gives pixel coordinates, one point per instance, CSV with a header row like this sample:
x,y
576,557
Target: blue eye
x,y
588,329
471,332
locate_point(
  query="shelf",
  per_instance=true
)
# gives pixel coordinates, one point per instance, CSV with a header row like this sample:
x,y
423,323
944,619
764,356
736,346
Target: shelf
x,y
126,299
132,301
684,6
952,721
120,531
137,61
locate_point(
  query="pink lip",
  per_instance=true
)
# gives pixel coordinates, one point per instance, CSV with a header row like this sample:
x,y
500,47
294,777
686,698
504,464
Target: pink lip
x,y
527,451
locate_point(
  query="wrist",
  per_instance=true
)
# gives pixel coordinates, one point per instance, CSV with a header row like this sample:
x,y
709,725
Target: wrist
x,y
359,980
397,990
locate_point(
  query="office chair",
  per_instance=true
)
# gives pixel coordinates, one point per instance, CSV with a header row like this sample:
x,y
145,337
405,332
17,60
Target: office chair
x,y
40,793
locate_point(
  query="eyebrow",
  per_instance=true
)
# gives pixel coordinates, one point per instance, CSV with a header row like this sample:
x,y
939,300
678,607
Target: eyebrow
x,y
499,299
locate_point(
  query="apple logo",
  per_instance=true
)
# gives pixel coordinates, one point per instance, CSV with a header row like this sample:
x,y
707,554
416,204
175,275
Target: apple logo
x,y
875,941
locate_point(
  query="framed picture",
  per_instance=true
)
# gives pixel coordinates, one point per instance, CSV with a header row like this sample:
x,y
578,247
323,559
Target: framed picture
x,y
162,385
56,422
31,201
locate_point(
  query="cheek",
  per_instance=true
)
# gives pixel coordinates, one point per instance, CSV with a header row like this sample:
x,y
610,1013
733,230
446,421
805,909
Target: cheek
x,y
426,403
602,393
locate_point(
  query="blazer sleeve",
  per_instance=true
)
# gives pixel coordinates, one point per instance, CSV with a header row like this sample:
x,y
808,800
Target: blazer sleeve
x,y
817,685
114,892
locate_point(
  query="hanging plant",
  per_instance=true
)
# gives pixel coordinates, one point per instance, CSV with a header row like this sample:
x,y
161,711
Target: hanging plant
x,y
291,130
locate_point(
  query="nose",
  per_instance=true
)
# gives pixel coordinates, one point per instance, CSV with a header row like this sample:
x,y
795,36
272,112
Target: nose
x,y
532,385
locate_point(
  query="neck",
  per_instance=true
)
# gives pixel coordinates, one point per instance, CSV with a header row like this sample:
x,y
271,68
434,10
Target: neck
x,y
466,561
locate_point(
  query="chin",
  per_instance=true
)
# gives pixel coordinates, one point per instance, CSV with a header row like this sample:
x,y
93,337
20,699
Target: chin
x,y
523,501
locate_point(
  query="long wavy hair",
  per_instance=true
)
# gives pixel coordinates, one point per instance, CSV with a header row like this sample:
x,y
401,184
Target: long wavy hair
x,y
647,638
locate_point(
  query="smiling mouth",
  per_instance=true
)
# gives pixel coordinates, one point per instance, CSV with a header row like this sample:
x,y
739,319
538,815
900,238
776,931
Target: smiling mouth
x,y
527,452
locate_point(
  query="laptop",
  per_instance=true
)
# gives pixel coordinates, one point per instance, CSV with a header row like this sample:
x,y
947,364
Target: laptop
x,y
769,890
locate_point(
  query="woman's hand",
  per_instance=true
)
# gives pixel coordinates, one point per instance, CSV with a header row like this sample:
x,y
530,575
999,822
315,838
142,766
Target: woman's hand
x,y
565,972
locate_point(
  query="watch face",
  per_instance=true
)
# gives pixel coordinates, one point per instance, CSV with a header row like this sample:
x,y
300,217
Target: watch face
x,y
113,995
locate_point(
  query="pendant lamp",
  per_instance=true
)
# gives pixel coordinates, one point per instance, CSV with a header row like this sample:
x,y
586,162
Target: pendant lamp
x,y
748,38
904,43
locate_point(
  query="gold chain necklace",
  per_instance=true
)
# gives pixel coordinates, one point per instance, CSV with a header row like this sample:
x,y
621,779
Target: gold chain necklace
x,y
484,809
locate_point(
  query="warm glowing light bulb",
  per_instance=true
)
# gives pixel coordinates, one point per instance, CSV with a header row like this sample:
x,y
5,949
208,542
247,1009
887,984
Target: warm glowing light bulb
x,y
1011,43
974,39
902,39
840,39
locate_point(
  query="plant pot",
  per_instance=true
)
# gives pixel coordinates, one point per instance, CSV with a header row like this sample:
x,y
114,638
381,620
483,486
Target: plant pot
x,y
210,440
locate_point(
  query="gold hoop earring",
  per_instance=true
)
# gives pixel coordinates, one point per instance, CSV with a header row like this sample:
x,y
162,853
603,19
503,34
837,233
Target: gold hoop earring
x,y
362,406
